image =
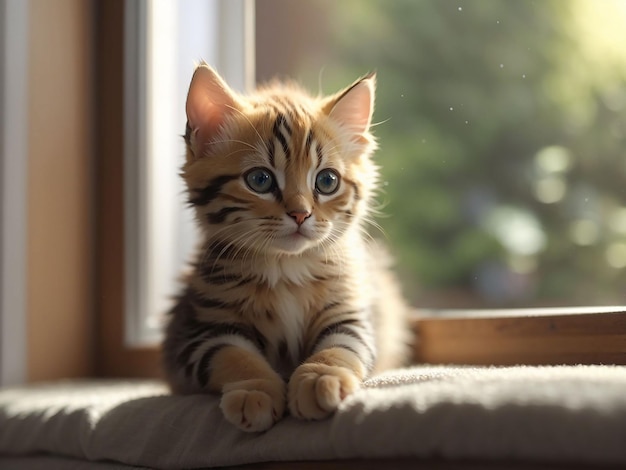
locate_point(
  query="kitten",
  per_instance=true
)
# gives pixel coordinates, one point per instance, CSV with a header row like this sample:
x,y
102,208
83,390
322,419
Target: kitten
x,y
287,304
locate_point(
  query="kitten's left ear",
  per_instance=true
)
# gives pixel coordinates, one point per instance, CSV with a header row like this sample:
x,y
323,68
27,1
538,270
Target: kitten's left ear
x,y
353,108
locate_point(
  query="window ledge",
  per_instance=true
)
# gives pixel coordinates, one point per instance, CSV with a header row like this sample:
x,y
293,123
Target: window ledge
x,y
577,335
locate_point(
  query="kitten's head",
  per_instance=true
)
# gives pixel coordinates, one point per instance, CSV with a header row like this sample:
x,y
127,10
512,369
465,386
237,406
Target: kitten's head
x,y
278,170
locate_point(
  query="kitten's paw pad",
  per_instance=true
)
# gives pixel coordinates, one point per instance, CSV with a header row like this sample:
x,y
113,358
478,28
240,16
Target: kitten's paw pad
x,y
316,390
253,410
249,411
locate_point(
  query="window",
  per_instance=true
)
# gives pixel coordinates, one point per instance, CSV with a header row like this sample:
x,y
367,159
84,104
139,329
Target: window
x,y
163,41
500,148
502,128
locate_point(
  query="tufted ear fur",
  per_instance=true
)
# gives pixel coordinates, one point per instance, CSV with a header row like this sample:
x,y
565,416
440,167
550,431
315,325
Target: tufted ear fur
x,y
353,108
209,102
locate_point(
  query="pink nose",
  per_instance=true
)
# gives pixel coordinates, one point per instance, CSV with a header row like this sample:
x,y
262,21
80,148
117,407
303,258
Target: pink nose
x,y
299,216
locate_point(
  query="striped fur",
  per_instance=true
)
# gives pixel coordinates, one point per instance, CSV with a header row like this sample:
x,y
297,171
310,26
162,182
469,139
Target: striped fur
x,y
287,304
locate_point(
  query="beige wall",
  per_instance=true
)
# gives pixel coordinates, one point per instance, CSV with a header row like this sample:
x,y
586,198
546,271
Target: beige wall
x,y
59,246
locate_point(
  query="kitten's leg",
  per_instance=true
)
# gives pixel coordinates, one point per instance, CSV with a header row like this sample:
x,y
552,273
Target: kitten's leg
x,y
227,358
253,394
339,363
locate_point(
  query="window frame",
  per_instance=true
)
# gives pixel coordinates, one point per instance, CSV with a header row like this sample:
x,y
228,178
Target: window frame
x,y
13,190
113,358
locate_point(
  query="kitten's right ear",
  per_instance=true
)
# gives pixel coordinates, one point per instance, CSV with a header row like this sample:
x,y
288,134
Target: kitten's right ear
x,y
209,102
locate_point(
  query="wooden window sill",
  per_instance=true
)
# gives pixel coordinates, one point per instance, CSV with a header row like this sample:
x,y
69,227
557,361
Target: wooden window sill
x,y
589,335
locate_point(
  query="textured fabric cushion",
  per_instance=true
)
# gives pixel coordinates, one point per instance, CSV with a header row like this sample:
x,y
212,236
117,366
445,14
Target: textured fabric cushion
x,y
568,413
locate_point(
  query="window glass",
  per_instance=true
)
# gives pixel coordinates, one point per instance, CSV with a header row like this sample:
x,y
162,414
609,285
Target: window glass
x,y
502,131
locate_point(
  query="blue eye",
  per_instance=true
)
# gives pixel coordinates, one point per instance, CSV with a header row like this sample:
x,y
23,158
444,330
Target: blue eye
x,y
327,181
260,180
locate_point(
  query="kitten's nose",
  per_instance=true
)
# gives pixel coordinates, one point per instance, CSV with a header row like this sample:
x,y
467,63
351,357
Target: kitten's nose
x,y
299,216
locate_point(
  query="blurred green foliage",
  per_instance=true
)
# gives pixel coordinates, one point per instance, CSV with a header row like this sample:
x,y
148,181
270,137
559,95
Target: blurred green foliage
x,y
503,143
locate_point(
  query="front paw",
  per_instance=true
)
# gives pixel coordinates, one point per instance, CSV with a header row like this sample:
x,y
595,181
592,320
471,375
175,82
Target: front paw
x,y
315,390
253,405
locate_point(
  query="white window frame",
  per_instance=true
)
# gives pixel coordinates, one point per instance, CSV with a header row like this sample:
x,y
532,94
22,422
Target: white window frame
x,y
13,189
163,41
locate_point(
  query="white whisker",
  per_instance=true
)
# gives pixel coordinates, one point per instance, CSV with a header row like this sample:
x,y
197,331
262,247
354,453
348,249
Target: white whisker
x,y
241,113
236,141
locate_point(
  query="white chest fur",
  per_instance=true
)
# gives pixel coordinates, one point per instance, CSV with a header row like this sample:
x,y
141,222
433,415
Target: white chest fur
x,y
292,299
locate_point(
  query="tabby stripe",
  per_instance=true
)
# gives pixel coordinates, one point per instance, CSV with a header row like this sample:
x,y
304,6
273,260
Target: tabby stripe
x,y
211,303
189,369
219,216
325,309
337,327
219,279
278,107
308,142
272,153
320,156
345,328
203,368
357,195
211,330
219,249
210,272
187,135
278,194
204,302
279,135
260,340
302,110
200,360
183,357
283,349
328,306
211,190
244,281
285,123
228,197
345,346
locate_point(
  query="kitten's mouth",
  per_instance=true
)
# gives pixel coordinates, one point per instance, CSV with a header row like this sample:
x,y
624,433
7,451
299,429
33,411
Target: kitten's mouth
x,y
294,242
297,236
